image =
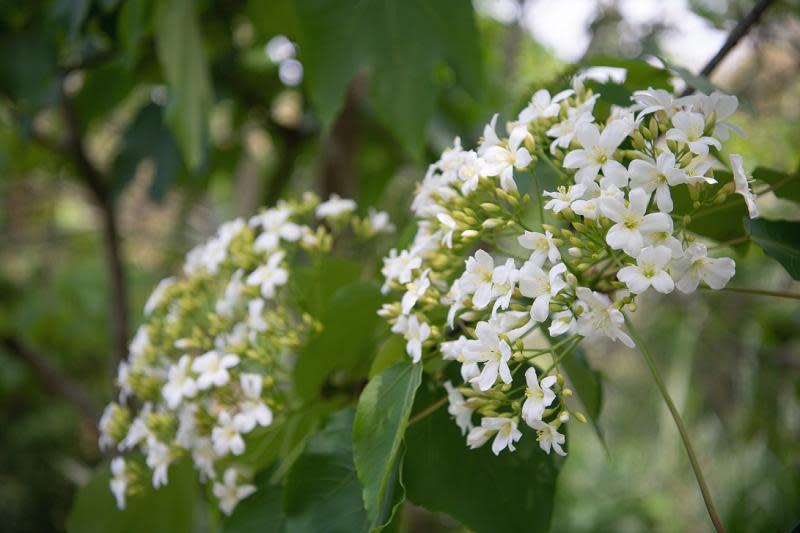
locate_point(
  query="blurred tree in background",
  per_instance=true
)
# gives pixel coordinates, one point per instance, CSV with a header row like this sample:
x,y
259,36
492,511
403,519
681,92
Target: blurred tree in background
x,y
130,129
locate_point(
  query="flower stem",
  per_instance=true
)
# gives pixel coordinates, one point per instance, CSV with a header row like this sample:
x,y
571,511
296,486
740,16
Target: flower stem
x,y
432,408
676,416
762,292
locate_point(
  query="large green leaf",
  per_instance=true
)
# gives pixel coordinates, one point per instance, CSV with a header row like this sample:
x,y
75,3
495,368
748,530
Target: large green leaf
x,y
260,513
507,493
349,337
780,240
400,43
587,385
381,420
169,509
180,50
147,137
783,185
322,492
721,222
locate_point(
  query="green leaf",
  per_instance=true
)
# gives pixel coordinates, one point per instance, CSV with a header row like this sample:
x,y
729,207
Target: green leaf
x,y
507,493
393,350
780,240
639,73
260,513
721,222
399,43
783,185
313,286
29,69
587,384
180,50
169,509
381,419
351,326
322,492
134,25
147,137
695,81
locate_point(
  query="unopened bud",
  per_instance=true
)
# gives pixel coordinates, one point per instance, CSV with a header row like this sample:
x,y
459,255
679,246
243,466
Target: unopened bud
x,y
564,417
490,207
579,416
575,251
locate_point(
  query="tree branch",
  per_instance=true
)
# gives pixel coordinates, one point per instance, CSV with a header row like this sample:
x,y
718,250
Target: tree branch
x,y
742,28
98,185
52,379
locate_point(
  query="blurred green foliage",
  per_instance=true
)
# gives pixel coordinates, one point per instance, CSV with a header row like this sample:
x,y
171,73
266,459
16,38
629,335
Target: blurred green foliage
x,y
186,122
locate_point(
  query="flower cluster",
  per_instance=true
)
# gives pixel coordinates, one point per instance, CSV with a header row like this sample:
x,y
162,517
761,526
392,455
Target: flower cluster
x,y
487,283
210,366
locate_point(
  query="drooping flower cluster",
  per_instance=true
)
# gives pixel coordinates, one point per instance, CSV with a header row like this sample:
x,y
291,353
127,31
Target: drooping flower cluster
x,y
210,365
487,283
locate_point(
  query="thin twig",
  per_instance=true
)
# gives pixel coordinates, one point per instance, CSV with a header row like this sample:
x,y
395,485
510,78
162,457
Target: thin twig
x,y
761,292
676,416
432,408
742,28
98,185
52,379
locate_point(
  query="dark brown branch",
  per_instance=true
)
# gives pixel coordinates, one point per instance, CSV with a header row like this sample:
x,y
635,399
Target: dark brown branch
x,y
742,28
52,379
98,185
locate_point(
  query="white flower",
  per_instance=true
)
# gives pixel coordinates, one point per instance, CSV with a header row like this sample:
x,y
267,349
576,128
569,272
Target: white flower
x,y
106,441
415,332
597,150
458,408
252,411
477,278
255,317
632,223
155,297
565,130
139,345
275,226
742,185
561,322
696,266
119,481
212,369
138,430
493,352
335,207
657,176
230,297
180,384
563,197
269,276
549,437
415,290
506,433
489,138
649,271
600,317
449,225
226,436
541,286
229,492
187,426
654,100
203,457
501,160
158,460
689,128
469,172
379,221
542,246
542,106
538,396
722,106
504,280
400,266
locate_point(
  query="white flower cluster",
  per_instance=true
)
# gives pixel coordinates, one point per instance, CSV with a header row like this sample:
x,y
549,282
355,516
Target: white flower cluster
x,y
480,287
211,364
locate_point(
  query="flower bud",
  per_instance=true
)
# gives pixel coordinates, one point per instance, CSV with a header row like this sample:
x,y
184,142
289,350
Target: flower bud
x,y
575,251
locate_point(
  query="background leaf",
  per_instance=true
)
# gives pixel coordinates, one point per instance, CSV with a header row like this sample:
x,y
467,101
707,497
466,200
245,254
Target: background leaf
x,y
783,185
380,423
260,513
322,491
779,240
182,56
169,509
507,493
399,43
